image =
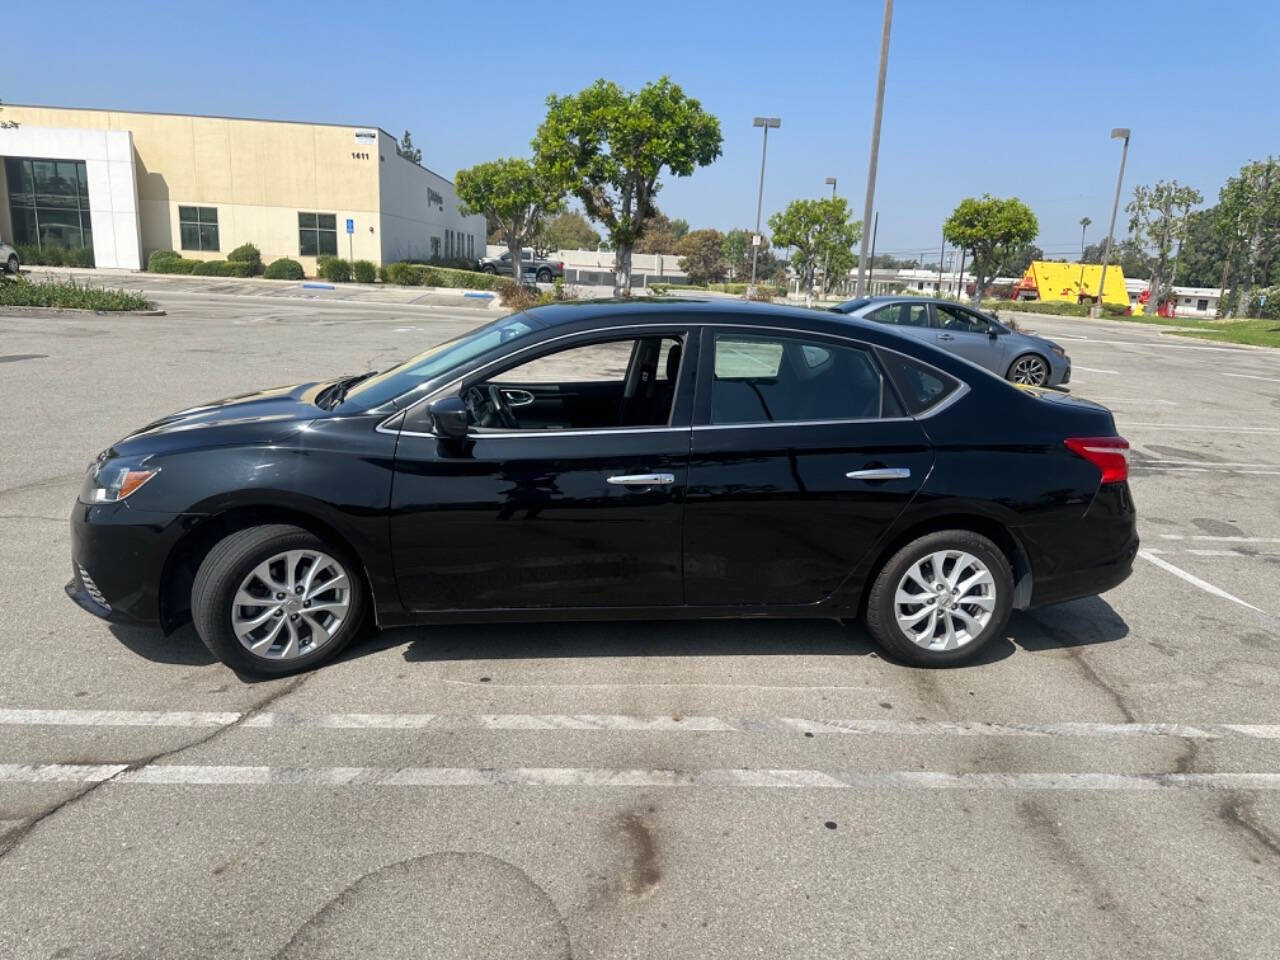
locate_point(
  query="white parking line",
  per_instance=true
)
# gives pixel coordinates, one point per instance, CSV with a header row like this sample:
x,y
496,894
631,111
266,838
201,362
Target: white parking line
x,y
1216,539
1195,581
592,777
1141,401
1215,428
1095,370
1250,376
663,723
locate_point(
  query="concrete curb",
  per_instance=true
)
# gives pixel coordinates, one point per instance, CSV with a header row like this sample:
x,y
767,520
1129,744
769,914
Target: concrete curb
x,y
8,311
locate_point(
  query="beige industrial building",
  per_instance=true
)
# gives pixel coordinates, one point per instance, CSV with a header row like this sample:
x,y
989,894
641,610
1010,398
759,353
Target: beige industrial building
x,y
126,184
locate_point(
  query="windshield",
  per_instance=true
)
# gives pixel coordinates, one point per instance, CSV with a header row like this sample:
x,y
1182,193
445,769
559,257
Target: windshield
x,y
438,360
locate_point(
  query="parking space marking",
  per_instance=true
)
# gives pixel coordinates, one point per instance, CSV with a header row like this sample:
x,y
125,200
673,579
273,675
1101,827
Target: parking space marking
x,y
1196,581
1143,401
1217,539
594,777
1201,426
1250,376
612,723
1114,373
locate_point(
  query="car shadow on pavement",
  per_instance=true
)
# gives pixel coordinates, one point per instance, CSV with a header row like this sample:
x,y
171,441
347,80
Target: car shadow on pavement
x,y
182,647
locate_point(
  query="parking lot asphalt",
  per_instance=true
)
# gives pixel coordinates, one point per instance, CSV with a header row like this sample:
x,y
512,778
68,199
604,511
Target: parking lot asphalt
x,y
1105,782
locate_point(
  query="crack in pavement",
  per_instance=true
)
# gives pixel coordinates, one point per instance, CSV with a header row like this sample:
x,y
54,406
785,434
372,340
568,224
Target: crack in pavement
x,y
1237,811
1090,673
15,838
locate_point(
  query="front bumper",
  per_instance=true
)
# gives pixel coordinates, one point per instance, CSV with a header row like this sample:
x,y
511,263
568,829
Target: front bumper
x,y
1059,371
117,559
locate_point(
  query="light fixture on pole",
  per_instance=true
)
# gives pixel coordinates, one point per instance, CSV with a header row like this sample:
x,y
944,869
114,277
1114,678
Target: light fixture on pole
x,y
826,259
875,145
765,122
832,181
1118,133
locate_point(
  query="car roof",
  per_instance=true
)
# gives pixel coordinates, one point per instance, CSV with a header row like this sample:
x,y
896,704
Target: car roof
x,y
644,310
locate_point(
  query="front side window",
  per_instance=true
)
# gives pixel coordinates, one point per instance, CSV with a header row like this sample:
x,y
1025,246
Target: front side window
x,y
317,234
198,228
902,315
605,385
758,379
961,321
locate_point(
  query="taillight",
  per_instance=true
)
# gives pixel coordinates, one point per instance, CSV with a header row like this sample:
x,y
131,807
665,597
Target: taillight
x,y
1108,454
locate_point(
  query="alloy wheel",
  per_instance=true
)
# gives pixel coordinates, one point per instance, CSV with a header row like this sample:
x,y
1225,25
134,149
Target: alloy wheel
x,y
1030,370
291,604
944,600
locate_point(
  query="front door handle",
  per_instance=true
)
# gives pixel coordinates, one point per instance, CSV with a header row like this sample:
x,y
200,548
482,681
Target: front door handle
x,y
945,337
643,480
880,473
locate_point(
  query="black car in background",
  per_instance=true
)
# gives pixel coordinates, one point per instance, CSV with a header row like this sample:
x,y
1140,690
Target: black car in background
x,y
662,459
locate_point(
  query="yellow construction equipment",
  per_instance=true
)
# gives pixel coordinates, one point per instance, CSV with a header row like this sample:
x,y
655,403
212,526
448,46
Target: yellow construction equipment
x,y
1071,283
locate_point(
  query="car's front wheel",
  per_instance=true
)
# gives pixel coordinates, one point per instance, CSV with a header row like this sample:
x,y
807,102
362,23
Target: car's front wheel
x,y
12,265
276,599
941,598
488,268
1029,369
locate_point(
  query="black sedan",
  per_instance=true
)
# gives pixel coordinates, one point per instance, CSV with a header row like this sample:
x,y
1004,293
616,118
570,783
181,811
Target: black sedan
x,y
671,459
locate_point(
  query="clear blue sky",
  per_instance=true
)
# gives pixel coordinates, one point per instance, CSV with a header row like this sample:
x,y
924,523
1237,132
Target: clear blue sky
x,y
1013,98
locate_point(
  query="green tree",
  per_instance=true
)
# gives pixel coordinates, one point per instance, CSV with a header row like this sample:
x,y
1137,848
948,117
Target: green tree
x,y
516,193
1202,254
1250,224
736,250
611,146
679,227
1158,220
406,149
1016,261
570,231
702,255
989,228
1127,254
821,233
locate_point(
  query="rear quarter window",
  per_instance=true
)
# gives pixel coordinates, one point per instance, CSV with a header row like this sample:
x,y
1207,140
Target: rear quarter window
x,y
921,387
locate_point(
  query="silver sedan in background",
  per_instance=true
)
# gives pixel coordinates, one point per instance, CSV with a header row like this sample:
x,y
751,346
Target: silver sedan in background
x,y
979,338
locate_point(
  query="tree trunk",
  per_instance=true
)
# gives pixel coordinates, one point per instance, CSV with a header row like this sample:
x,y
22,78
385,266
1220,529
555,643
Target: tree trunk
x,y
622,270
516,250
1250,269
979,282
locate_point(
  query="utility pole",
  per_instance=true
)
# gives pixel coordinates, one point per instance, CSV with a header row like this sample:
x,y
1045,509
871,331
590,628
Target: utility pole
x,y
942,253
875,144
874,230
765,122
1117,133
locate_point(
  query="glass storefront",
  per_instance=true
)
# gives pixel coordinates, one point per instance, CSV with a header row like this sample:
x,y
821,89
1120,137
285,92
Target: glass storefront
x,y
49,202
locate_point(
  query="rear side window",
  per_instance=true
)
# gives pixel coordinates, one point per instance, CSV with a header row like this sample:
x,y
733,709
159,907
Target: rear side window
x,y
921,387
760,379
902,315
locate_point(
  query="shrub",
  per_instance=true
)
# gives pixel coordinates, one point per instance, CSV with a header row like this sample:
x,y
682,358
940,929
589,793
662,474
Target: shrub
x,y
222,268
335,270
246,253
428,275
284,269
519,297
169,261
69,294
364,271
1269,310
54,255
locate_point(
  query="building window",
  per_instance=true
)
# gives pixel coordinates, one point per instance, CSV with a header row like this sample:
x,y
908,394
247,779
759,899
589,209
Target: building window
x,y
1202,305
471,244
435,247
317,234
49,202
198,228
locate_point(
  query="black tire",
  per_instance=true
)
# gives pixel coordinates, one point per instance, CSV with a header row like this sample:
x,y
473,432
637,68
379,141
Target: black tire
x,y
488,268
1043,366
220,575
881,617
12,265
544,276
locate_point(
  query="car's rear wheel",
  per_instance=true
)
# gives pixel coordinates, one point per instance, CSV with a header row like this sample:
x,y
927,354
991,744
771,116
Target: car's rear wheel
x,y
488,268
544,276
276,599
941,598
12,265
1030,369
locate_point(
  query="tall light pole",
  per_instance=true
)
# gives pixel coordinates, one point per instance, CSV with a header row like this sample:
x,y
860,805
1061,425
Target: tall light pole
x,y
1085,223
765,122
1118,133
875,146
826,259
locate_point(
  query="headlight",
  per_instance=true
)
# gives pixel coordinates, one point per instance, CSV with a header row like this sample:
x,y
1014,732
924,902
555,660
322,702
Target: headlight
x,y
110,482
1058,350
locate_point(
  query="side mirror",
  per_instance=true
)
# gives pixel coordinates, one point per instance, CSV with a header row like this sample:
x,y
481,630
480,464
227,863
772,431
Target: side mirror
x,y
450,417
993,331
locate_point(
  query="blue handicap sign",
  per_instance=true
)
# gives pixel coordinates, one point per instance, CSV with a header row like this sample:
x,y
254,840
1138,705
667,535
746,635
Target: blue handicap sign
x,y
351,226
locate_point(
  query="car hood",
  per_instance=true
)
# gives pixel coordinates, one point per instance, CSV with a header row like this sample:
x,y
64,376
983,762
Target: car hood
x,y
265,416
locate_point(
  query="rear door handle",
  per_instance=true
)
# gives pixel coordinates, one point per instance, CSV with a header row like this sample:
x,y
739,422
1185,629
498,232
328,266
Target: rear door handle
x,y
945,336
880,473
643,480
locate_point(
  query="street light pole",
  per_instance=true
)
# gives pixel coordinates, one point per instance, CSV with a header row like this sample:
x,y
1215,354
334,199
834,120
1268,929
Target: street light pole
x,y
875,145
765,122
826,257
1118,133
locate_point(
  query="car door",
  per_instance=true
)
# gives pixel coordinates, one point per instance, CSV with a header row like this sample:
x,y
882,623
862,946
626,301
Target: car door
x,y
801,460
553,512
968,335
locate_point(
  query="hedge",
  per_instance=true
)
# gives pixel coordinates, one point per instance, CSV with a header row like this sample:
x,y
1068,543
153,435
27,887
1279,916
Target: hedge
x,y
247,253
1061,309
334,269
54,255
69,294
364,271
425,275
284,269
